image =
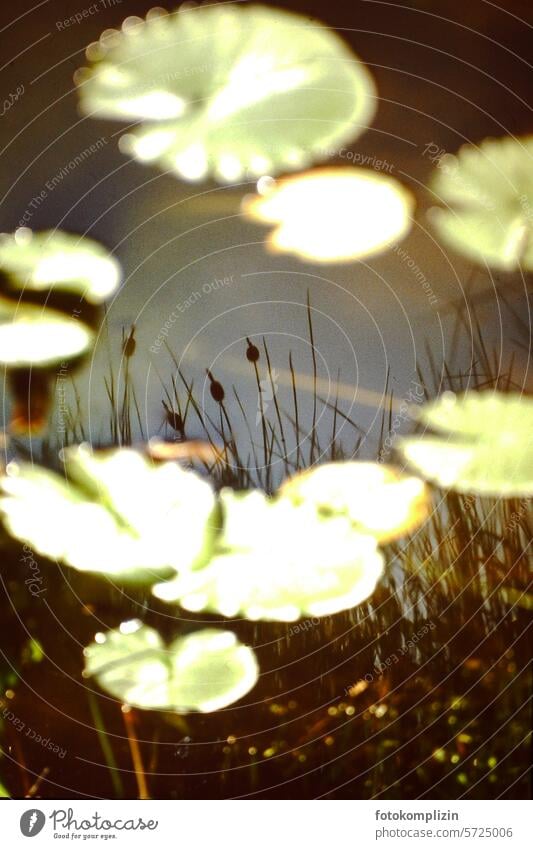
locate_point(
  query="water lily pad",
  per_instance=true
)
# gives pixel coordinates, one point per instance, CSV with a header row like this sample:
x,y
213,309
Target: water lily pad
x,y
489,190
333,214
378,499
485,445
35,336
205,671
114,513
54,259
276,561
228,90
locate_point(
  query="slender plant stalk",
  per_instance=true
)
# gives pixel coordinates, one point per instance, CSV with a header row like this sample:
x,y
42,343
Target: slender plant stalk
x,y
313,357
276,405
135,751
106,747
34,789
262,413
296,417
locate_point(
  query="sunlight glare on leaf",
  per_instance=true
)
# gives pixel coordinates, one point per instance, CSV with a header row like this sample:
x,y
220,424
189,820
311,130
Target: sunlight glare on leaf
x,y
33,335
228,91
275,561
204,671
485,445
49,259
333,214
488,191
378,499
115,513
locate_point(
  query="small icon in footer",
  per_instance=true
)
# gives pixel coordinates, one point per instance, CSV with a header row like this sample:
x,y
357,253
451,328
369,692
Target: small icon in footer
x,y
32,822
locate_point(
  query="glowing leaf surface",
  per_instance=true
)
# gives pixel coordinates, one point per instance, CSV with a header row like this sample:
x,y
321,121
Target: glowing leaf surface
x,y
228,90
35,336
205,671
275,561
115,514
334,214
54,259
489,194
378,499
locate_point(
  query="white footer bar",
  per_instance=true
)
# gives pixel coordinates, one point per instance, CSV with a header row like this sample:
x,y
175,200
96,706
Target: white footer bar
x,y
267,824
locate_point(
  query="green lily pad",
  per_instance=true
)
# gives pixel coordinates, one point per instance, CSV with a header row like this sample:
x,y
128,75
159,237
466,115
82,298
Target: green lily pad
x,y
332,215
228,90
485,445
489,193
276,561
114,513
35,336
377,498
55,259
204,671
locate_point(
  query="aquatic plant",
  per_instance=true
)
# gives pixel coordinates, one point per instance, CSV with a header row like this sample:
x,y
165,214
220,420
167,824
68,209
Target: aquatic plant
x,y
332,215
52,259
51,286
203,671
378,499
277,561
275,92
115,513
488,193
485,444
227,91
431,646
35,336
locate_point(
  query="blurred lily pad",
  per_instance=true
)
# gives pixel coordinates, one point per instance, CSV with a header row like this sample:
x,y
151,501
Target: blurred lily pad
x,y
333,215
488,190
276,561
114,513
378,499
228,90
31,335
55,259
485,445
204,671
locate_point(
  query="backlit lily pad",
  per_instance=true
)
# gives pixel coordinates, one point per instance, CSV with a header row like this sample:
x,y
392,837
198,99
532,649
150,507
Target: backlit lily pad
x,y
205,671
228,90
31,335
378,499
485,445
115,513
54,259
489,190
276,561
333,214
